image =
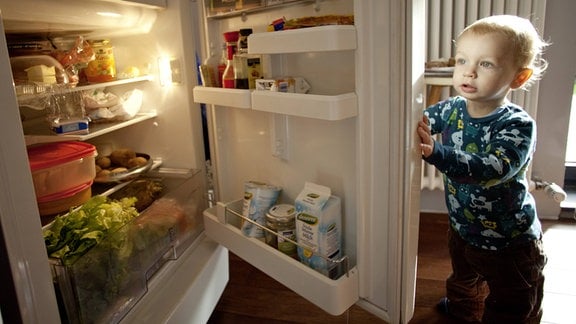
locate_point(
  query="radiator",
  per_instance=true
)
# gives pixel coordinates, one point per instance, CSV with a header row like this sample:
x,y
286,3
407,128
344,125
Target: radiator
x,y
447,18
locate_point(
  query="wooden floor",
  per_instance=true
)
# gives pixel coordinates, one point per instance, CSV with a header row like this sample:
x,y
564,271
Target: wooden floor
x,y
253,297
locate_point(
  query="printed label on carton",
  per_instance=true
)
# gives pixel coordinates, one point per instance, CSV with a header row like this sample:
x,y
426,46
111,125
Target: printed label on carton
x,y
318,227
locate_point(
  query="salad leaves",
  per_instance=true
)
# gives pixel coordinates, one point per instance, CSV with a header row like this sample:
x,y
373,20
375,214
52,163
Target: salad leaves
x,y
73,234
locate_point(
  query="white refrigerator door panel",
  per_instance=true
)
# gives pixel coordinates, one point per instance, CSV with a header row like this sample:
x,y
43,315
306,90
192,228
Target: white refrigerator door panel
x,y
388,158
376,148
318,151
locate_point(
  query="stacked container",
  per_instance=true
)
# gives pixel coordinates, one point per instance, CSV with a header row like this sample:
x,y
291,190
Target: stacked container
x,y
63,173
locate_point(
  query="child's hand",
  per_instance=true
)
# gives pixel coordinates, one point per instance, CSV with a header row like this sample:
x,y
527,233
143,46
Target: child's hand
x,y
426,140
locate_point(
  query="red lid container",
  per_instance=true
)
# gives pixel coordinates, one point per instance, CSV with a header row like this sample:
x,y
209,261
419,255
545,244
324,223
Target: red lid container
x,y
61,166
52,154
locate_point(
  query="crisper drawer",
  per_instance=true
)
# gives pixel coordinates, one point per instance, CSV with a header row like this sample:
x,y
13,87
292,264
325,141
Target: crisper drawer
x,y
332,295
104,283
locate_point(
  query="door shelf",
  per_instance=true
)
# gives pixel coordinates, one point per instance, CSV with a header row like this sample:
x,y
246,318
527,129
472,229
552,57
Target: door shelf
x,y
37,131
324,107
332,295
336,107
313,39
237,98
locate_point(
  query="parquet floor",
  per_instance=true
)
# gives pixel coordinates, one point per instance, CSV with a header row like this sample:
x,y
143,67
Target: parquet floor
x,y
253,297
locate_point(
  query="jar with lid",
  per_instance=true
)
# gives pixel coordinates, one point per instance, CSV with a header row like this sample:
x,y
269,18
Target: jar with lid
x,y
281,219
103,67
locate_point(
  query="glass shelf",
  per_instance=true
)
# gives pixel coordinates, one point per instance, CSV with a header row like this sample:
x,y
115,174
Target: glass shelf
x,y
37,131
22,98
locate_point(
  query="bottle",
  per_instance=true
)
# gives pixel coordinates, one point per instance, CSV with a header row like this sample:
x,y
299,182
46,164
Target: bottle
x,y
243,40
240,72
231,43
241,60
254,70
222,64
250,61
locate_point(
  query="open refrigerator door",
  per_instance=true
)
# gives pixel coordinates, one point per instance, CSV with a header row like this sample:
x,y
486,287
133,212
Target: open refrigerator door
x,y
351,131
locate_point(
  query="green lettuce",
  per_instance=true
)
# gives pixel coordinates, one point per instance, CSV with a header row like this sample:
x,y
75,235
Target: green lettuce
x,y
71,235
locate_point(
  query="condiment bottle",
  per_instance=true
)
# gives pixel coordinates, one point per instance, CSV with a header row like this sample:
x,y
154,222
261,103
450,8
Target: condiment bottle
x,y
241,59
251,61
222,64
231,43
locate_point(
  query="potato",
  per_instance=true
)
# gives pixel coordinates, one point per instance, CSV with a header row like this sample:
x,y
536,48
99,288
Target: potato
x,y
118,170
103,174
97,169
121,157
137,162
103,161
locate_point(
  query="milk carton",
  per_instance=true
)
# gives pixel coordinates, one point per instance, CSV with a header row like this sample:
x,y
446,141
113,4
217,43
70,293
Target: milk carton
x,y
319,228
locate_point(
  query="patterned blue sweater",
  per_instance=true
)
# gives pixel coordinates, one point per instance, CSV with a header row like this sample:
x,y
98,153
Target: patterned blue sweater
x,y
484,162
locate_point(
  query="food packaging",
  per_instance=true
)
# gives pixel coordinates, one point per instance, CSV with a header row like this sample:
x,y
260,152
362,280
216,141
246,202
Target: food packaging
x,y
61,166
37,67
258,198
107,107
69,126
41,73
319,229
103,67
64,107
283,84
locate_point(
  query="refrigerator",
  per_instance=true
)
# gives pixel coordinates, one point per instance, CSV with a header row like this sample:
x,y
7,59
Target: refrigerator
x,y
353,132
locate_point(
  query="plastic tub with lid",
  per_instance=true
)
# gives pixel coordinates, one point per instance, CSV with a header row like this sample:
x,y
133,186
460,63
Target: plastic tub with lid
x,y
61,166
62,201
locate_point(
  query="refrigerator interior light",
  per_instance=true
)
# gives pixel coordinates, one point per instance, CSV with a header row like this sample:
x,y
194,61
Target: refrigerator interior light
x,y
165,71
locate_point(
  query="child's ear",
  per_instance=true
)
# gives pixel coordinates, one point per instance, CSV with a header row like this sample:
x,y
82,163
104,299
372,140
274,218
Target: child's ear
x,y
521,77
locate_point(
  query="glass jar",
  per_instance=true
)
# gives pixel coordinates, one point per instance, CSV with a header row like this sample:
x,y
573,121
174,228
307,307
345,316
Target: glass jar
x,y
103,67
281,219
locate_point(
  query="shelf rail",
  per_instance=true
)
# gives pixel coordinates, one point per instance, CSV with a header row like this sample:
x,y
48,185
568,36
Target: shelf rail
x,y
223,210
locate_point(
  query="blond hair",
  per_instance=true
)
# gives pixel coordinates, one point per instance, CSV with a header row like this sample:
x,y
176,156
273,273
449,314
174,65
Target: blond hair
x,y
525,42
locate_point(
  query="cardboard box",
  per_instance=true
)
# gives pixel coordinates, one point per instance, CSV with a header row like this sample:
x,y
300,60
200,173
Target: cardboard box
x,y
284,84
